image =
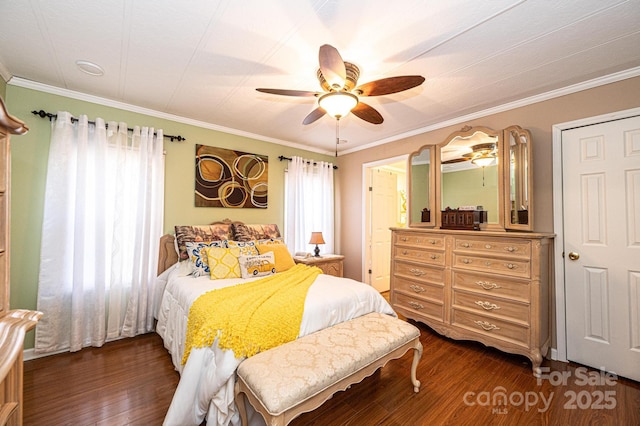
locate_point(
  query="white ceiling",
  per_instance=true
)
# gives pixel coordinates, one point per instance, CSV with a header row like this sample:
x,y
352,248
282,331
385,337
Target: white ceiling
x,y
202,59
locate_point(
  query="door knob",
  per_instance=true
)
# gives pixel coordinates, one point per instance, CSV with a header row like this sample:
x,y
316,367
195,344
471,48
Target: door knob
x,y
574,256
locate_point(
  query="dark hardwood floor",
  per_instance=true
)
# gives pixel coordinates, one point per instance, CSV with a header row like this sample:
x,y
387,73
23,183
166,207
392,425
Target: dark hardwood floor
x,y
132,381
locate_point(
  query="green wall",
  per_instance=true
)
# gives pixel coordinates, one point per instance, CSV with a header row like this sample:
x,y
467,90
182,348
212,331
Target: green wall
x,y
3,88
419,190
29,164
471,187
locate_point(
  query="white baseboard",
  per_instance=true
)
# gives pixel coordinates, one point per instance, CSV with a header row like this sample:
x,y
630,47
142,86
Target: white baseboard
x,y
29,354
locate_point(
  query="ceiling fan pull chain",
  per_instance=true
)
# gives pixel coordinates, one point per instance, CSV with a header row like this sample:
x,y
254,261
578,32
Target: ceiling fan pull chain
x,y
337,134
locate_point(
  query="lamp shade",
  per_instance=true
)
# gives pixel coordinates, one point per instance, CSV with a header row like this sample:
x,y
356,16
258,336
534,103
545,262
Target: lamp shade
x,y
338,104
316,238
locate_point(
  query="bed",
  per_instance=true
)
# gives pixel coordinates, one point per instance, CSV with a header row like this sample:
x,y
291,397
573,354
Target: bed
x,y
207,378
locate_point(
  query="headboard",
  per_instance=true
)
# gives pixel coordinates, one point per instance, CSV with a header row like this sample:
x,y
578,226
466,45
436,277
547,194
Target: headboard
x,y
228,229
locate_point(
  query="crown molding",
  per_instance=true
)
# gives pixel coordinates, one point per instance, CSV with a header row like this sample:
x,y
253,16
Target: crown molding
x,y
589,84
29,84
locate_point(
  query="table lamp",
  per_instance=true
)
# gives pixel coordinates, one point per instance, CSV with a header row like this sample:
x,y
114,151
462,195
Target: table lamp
x,y
316,238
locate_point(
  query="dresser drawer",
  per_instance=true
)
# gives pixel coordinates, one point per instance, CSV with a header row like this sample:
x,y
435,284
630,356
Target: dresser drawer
x,y
430,257
419,240
418,272
427,308
502,247
493,285
511,267
493,327
419,289
491,306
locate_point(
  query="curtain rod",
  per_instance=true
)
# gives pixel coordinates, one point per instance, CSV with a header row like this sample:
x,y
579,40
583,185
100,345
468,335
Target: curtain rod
x,y
50,116
282,158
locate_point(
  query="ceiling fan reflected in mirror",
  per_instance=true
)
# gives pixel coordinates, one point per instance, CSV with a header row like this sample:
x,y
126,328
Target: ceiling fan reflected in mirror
x,y
341,94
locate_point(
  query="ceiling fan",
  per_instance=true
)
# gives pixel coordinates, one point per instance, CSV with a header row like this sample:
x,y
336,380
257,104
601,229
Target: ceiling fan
x,y
338,79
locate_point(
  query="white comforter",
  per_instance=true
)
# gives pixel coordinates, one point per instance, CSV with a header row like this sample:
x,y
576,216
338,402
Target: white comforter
x,y
207,379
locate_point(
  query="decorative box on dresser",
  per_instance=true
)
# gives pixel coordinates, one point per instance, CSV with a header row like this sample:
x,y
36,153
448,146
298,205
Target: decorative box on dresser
x,y
13,323
491,287
331,264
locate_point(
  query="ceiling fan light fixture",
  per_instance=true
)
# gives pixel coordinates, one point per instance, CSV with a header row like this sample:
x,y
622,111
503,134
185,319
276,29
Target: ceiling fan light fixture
x,y
484,160
338,104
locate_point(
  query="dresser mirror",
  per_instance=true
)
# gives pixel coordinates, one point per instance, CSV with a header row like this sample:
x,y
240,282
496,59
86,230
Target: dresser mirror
x,y
421,184
471,175
474,167
517,142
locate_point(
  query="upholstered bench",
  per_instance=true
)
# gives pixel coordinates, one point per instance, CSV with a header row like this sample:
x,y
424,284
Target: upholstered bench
x,y
301,375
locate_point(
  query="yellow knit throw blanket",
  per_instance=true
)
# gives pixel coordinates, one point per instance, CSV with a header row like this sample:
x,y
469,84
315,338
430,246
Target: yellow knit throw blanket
x,y
251,317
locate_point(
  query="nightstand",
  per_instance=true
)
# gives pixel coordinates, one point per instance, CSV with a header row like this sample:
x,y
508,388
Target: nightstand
x,y
331,264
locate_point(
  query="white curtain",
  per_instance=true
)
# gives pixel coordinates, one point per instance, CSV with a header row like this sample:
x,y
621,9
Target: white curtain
x,y
103,214
309,204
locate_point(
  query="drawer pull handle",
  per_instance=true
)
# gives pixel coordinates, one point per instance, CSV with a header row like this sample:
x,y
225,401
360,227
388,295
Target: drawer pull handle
x,y
487,285
432,241
488,306
511,266
511,249
433,256
487,325
404,239
416,305
487,246
466,245
417,272
405,252
417,288
466,261
487,263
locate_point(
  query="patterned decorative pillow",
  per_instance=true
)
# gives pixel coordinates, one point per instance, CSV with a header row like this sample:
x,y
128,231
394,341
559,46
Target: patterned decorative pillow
x,y
198,256
243,232
247,248
257,266
267,241
200,233
223,262
283,258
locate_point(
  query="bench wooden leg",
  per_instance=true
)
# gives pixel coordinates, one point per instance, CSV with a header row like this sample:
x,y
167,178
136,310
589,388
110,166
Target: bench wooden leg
x,y
417,354
240,404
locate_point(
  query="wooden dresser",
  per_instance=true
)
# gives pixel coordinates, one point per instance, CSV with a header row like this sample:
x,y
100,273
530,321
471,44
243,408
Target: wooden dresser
x,y
13,323
491,287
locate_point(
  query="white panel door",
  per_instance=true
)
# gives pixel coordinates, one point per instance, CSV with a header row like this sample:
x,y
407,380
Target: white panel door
x,y
601,193
384,213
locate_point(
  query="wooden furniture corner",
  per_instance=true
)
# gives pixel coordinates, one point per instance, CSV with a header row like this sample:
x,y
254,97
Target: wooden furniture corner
x,y
331,264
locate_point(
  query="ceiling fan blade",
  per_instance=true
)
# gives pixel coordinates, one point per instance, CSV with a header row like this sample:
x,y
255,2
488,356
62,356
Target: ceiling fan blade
x,y
314,115
367,113
332,66
386,86
288,92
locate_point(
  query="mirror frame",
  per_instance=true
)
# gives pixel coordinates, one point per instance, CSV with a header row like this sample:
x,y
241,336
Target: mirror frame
x,y
468,131
432,196
528,179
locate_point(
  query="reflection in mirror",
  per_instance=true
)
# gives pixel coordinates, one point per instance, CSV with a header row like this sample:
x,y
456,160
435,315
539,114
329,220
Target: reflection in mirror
x,y
469,170
420,190
519,197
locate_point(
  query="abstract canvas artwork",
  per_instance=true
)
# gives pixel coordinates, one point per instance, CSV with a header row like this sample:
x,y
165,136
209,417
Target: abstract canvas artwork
x,y
229,178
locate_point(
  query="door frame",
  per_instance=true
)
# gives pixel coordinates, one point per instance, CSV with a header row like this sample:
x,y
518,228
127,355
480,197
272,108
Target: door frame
x,y
366,208
560,352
